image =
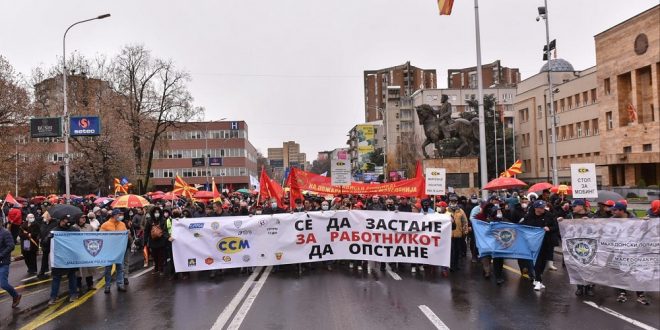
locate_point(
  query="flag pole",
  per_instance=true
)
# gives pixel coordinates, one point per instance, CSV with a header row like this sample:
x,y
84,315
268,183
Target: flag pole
x,y
480,97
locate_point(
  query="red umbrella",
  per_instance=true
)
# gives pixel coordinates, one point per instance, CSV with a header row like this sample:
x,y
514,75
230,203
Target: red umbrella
x,y
90,196
539,187
167,196
102,200
504,183
38,199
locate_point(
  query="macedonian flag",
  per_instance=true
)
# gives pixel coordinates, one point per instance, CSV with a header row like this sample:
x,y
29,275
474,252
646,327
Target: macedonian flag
x,y
445,6
516,168
182,188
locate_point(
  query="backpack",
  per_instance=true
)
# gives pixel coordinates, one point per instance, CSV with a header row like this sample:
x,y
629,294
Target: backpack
x,y
156,232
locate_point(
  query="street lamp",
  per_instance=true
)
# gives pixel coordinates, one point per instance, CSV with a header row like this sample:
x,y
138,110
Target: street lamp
x,y
543,14
67,181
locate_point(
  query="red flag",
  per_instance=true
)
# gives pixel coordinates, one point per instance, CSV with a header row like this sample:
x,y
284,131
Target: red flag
x,y
445,6
216,193
269,188
10,199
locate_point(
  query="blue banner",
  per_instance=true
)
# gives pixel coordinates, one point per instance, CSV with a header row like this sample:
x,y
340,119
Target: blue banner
x,y
87,249
85,126
507,240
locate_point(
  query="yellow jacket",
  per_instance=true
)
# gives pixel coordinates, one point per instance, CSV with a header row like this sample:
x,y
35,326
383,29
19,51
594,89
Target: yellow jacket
x,y
461,221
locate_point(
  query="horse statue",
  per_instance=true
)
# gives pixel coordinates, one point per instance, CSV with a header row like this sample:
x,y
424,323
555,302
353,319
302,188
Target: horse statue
x,y
467,131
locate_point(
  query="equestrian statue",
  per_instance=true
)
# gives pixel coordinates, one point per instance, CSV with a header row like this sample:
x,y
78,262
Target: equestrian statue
x,y
439,126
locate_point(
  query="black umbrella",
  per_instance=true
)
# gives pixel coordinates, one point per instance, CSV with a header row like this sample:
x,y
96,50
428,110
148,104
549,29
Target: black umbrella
x,y
60,211
604,195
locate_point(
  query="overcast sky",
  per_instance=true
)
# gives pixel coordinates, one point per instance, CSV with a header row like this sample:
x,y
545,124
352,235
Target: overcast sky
x,y
293,68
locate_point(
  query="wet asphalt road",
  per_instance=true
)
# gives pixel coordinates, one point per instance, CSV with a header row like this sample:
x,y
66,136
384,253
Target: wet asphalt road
x,y
337,299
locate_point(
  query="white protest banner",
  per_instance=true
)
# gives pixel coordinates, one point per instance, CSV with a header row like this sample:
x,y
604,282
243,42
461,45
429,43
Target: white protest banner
x,y
583,180
263,240
619,253
436,179
340,170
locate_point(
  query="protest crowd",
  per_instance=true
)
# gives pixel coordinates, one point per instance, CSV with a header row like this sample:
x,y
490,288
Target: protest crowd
x,y
29,224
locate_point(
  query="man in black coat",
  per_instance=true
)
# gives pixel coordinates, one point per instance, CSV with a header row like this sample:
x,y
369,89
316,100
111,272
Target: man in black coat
x,y
540,217
47,225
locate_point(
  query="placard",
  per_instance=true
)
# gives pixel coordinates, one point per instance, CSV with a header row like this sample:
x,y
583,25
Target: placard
x,y
436,179
583,180
340,171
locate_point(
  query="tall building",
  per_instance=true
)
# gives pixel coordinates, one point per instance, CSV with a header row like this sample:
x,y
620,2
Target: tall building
x,y
576,104
287,156
379,86
494,75
629,90
607,114
202,151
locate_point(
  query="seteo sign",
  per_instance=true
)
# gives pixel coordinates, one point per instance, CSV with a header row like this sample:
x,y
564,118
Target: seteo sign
x,y
85,126
46,127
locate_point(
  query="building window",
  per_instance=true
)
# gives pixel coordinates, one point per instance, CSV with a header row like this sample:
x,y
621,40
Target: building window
x,y
540,137
627,150
608,117
539,112
647,147
577,100
606,85
594,96
585,97
578,128
562,105
594,124
569,100
542,164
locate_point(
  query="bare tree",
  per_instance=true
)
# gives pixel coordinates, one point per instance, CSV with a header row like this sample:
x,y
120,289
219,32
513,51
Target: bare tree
x,y
157,98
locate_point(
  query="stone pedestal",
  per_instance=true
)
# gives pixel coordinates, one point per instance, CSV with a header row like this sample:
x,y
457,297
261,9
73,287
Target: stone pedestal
x,y
462,173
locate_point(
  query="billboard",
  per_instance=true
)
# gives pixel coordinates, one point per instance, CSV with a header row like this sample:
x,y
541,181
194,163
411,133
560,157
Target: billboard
x,y
198,162
215,161
85,125
366,138
45,127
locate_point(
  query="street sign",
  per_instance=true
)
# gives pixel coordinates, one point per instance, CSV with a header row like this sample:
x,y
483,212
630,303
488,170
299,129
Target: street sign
x,y
46,127
198,162
85,125
215,161
341,172
436,179
583,180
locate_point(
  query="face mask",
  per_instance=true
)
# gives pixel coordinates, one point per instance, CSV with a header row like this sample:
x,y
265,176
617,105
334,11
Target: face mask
x,y
391,207
453,206
166,215
324,207
499,215
273,205
524,205
130,213
120,218
156,214
30,219
474,201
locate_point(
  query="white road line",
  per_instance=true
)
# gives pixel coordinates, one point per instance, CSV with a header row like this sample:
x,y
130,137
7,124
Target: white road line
x,y
619,315
392,273
27,279
233,304
142,272
242,313
437,322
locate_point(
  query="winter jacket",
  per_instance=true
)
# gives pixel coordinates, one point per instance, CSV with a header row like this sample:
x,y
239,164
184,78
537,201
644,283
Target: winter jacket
x,y
15,216
29,233
461,223
6,246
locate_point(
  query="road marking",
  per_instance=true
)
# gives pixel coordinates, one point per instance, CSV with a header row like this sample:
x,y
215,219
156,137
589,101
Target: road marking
x,y
27,294
437,322
31,278
142,272
515,271
233,304
245,308
394,275
621,316
26,285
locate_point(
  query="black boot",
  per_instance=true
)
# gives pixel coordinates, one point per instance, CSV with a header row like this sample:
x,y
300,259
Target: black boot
x,y
580,290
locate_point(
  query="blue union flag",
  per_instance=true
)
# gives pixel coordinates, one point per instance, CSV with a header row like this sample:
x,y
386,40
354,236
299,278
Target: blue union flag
x,y
507,240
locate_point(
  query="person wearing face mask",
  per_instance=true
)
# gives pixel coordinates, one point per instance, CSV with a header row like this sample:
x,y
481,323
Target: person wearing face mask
x,y
459,230
155,233
539,217
376,204
389,205
63,224
29,235
273,208
46,227
85,272
426,206
115,223
404,204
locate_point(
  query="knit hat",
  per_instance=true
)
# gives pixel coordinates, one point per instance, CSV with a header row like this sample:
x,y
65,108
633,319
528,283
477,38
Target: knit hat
x,y
538,204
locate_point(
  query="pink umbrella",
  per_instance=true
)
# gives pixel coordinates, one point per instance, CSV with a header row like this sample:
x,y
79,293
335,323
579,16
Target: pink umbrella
x,y
504,183
539,187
